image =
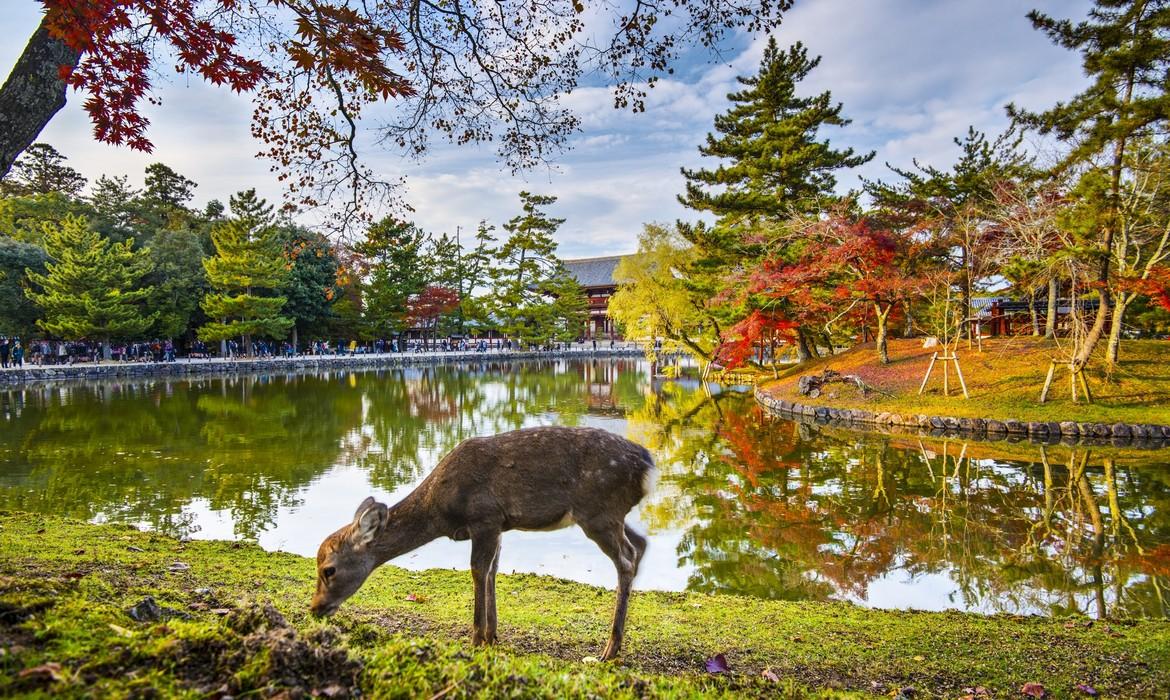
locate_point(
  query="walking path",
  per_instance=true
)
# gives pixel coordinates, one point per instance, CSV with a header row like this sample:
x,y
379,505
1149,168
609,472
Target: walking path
x,y
187,367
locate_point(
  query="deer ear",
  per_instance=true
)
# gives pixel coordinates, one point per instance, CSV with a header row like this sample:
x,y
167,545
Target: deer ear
x,y
362,506
367,521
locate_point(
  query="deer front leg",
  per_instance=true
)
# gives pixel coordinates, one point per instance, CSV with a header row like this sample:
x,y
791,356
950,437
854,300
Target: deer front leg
x,y
485,549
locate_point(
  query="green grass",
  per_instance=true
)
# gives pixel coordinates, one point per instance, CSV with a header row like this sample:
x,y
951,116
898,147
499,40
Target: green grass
x,y
66,586
1004,381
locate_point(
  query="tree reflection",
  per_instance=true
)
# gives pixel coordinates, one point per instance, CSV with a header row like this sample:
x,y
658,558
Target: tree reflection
x,y
777,509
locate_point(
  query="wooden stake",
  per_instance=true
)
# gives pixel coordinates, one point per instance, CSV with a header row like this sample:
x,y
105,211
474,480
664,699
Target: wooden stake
x,y
1048,381
959,373
1085,386
946,378
929,369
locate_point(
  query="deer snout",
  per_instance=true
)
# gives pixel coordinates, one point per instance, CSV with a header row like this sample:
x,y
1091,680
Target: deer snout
x,y
322,608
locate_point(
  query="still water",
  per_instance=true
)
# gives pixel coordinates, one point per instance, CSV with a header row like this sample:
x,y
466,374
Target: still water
x,y
746,503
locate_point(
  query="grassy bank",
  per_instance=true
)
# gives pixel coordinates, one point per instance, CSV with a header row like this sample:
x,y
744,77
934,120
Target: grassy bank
x,y
1004,381
234,622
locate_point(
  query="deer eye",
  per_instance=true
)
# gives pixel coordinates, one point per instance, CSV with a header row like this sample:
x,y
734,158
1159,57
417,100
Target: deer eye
x,y
328,571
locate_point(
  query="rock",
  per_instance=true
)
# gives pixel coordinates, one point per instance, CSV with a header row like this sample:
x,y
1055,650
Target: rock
x,y
1037,429
996,427
1015,427
1069,427
937,423
1101,430
1121,430
1140,432
146,610
966,425
951,423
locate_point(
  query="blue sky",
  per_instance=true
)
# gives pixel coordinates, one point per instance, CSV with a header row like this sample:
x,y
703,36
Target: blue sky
x,y
912,74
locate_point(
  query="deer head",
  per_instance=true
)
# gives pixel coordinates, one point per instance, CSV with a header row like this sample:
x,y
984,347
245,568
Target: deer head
x,y
345,559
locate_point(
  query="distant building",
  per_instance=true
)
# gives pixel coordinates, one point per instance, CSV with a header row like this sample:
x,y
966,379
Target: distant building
x,y
595,275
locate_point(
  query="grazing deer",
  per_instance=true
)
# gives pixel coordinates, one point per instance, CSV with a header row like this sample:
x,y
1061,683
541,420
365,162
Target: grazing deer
x,y
532,479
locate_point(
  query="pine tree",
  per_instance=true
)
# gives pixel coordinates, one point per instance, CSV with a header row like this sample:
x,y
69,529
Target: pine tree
x,y
92,287
528,279
41,169
248,267
778,166
1125,50
393,251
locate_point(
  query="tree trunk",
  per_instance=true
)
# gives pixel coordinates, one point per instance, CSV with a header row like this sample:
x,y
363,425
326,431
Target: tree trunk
x,y
803,353
295,341
1098,328
1050,319
1116,325
883,349
32,94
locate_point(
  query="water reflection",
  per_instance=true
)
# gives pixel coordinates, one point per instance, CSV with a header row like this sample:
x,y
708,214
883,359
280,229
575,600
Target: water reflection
x,y
747,503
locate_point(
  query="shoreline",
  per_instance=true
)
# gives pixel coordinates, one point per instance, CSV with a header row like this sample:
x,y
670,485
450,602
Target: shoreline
x,y
1120,434
33,374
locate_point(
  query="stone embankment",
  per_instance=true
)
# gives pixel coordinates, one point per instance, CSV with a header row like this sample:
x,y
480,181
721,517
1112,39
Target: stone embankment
x,y
1064,432
190,368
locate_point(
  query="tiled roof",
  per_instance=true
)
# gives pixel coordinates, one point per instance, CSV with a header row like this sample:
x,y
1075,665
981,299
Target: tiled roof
x,y
594,272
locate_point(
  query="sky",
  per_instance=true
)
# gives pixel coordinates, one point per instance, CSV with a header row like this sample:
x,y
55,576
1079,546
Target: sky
x,y
912,75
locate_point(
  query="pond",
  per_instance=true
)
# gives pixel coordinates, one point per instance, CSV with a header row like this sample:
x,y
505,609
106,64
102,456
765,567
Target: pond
x,y
746,503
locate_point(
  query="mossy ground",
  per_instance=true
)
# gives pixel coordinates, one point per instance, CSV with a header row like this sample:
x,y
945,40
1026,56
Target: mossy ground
x,y
1004,381
66,586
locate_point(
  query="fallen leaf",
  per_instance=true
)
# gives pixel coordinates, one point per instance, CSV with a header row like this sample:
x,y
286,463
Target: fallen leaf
x,y
221,611
920,658
179,566
1088,690
717,664
416,597
1034,690
48,671
121,631
770,675
590,660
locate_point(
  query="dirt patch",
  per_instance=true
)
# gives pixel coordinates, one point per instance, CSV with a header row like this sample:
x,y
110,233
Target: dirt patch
x,y
260,653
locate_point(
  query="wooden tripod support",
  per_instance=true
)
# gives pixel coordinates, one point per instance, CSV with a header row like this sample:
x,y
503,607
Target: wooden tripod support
x,y
1076,376
946,379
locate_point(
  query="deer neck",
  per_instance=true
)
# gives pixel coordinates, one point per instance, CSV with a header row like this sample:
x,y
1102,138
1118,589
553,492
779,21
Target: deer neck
x,y
409,525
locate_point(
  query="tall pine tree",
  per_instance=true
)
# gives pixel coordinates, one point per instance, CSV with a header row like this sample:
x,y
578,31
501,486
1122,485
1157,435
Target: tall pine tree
x,y
91,288
534,298
770,136
1125,51
248,268
393,251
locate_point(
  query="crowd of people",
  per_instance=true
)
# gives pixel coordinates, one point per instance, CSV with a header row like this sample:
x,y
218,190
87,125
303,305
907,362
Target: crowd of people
x,y
57,352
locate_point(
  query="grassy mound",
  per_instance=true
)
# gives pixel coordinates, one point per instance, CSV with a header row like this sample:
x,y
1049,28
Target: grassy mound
x,y
225,619
1004,381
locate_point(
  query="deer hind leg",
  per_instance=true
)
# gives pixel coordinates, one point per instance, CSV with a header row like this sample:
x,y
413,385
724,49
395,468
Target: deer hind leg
x,y
612,538
485,554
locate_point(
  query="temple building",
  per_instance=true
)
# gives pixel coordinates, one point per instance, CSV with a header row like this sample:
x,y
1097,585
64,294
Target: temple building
x,y
595,275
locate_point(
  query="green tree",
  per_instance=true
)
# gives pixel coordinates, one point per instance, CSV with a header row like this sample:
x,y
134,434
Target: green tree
x,y
393,250
42,170
778,164
25,217
179,279
312,286
1125,51
652,300
164,186
92,287
18,313
531,294
245,273
115,205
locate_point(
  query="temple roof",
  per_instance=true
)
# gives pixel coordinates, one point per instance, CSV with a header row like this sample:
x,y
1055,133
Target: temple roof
x,y
594,272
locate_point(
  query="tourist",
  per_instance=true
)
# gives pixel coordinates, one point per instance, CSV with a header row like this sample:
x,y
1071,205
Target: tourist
x,y
4,348
17,354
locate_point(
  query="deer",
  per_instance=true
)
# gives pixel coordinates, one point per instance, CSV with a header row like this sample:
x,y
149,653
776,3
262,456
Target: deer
x,y
542,478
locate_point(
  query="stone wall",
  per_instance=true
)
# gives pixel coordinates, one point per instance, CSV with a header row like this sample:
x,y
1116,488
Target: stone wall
x,y
1066,432
187,368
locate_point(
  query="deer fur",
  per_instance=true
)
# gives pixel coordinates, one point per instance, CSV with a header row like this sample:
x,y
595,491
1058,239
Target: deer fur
x,y
531,479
